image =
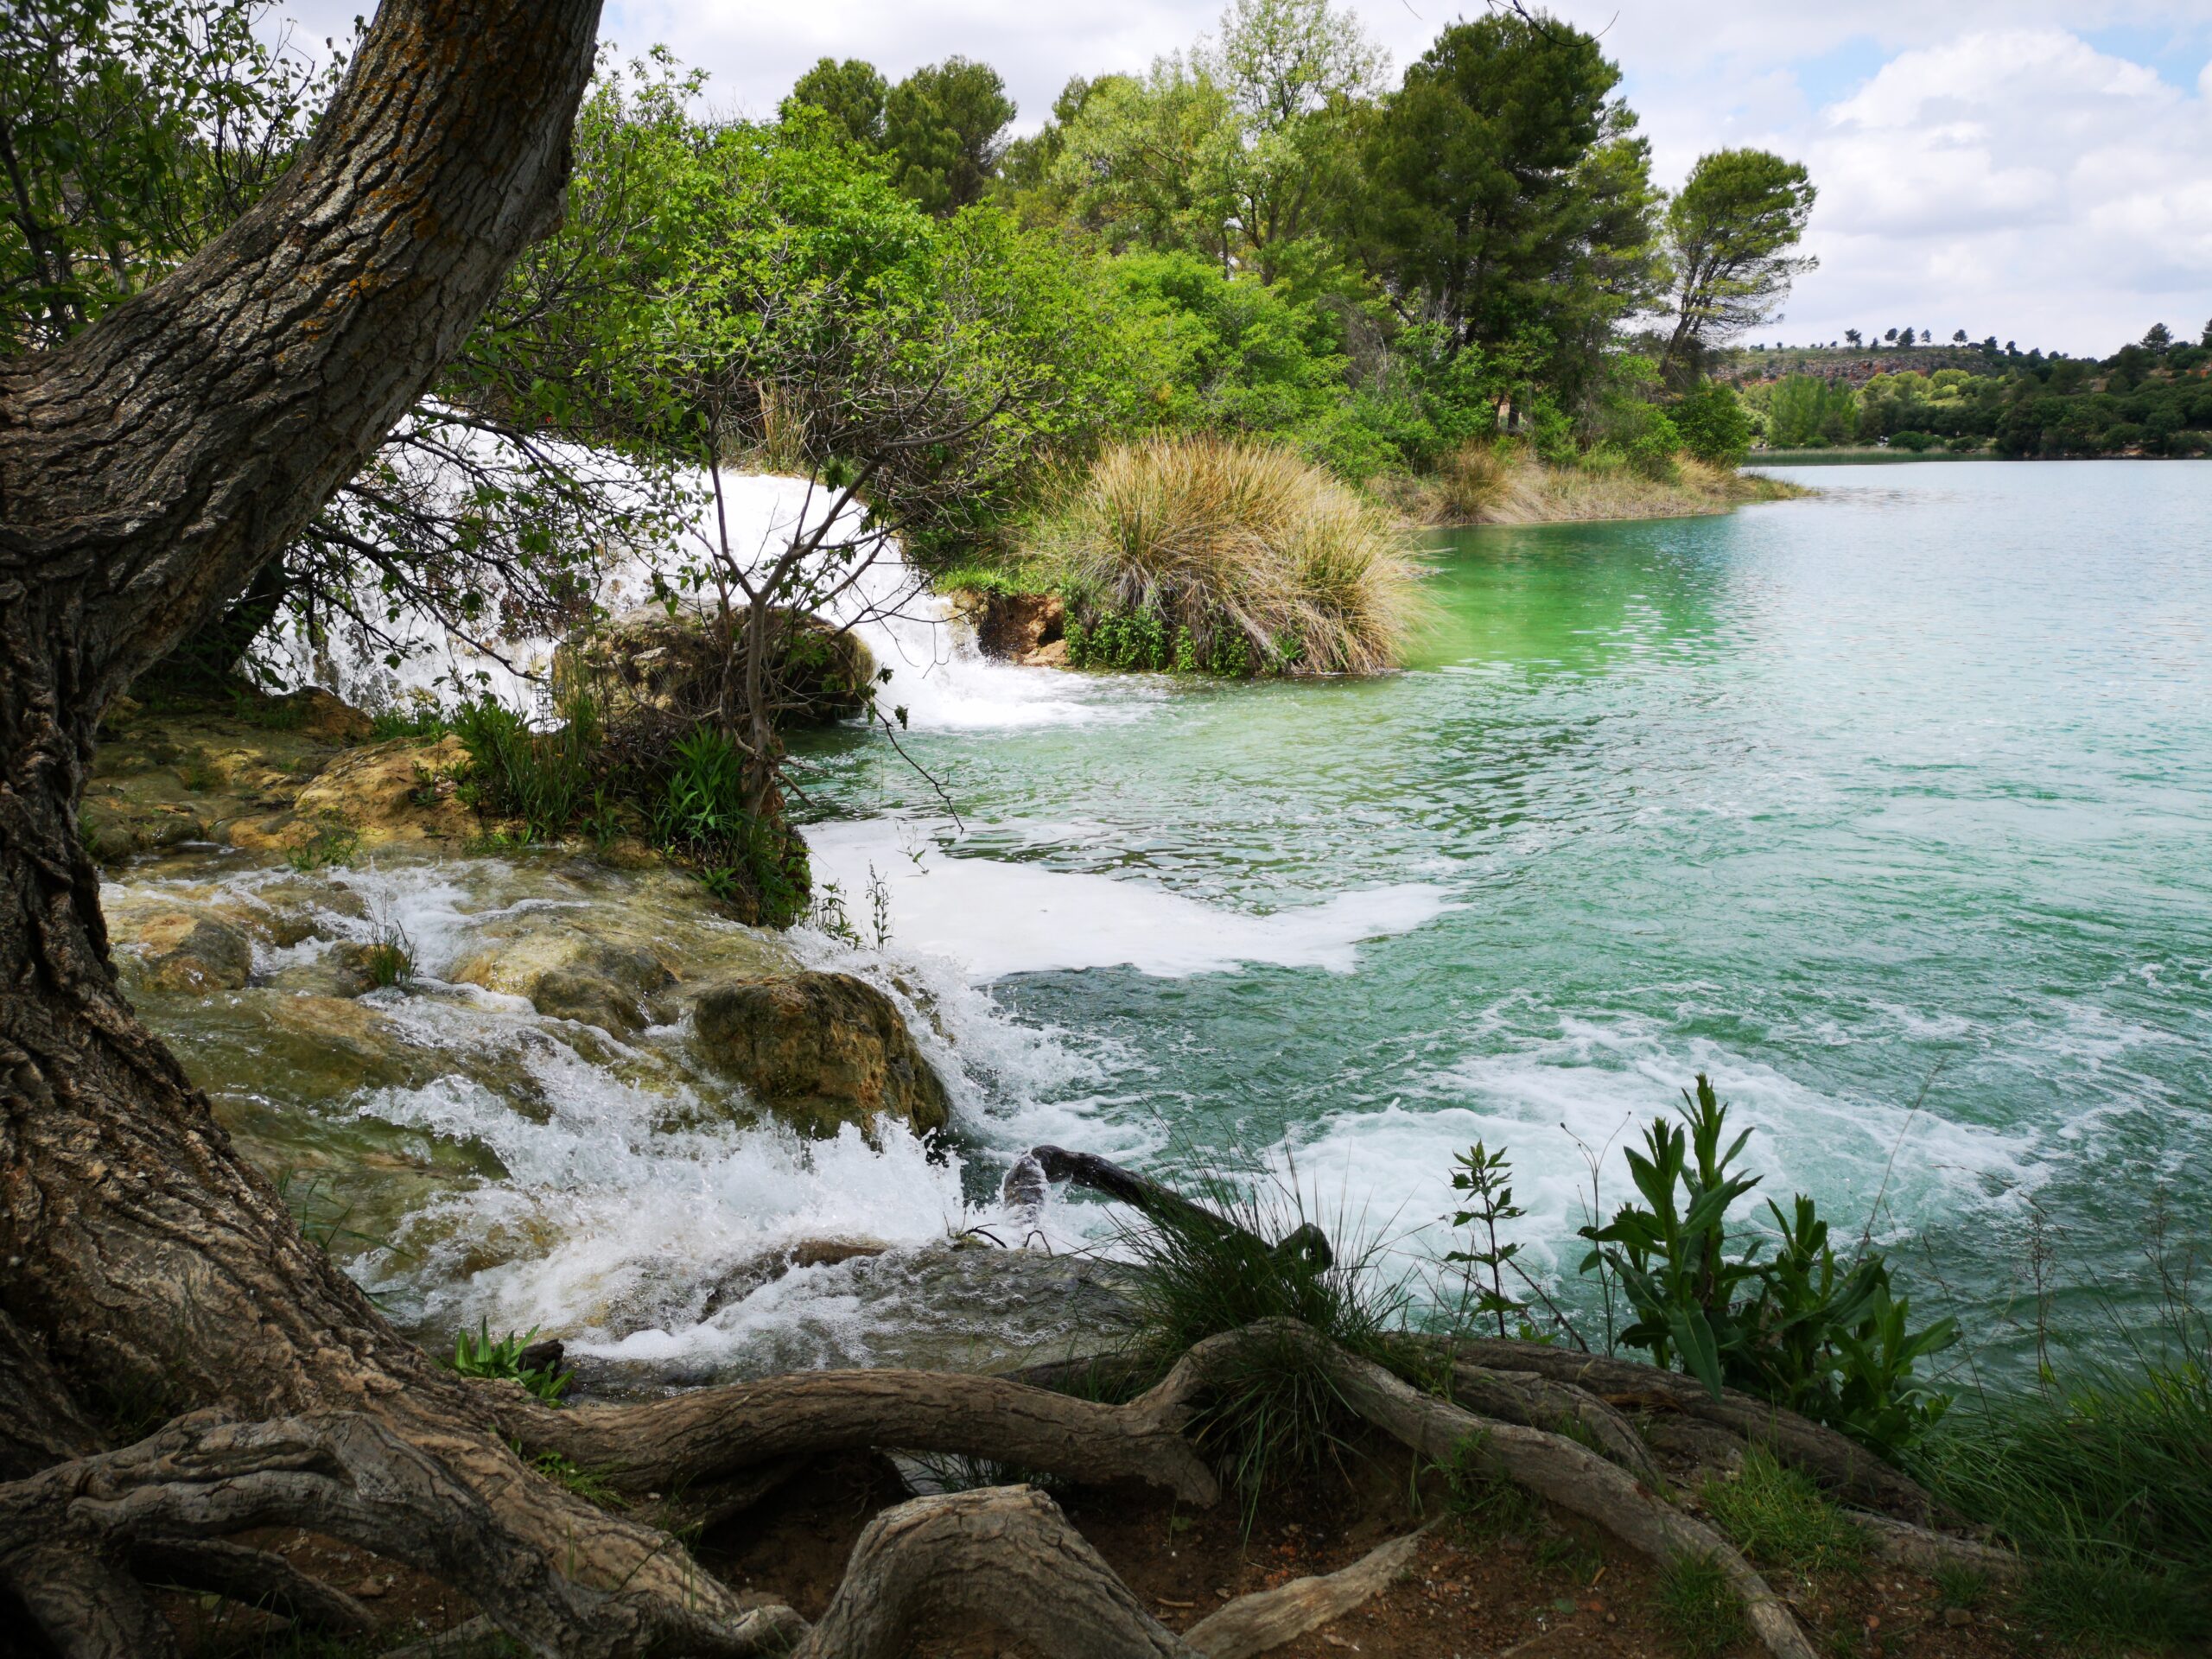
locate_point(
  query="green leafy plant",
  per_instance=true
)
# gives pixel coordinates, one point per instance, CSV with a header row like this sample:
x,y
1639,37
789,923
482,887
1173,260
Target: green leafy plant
x,y
742,859
333,842
1483,1175
1802,1328
483,1356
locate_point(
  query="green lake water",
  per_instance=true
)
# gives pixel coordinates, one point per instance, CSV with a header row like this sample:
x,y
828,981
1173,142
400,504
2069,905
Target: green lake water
x,y
1890,809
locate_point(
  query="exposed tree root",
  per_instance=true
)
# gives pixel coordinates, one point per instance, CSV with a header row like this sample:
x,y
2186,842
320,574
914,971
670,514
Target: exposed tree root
x,y
78,1540
1922,1551
1563,1472
1828,1457
1003,1556
1536,1402
714,1433
254,1577
1268,1618
560,1580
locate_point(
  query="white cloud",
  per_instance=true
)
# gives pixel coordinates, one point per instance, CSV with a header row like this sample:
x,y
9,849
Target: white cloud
x,y
2018,181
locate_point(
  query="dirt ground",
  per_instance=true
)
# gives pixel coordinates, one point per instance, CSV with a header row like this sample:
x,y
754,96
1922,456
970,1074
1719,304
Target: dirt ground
x,y
1540,1589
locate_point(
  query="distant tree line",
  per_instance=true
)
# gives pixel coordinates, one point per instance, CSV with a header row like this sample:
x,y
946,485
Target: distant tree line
x,y
2152,398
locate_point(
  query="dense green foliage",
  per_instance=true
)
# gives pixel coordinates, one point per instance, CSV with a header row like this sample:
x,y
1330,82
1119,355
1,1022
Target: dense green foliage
x,y
2151,398
2102,1475
687,796
1825,1337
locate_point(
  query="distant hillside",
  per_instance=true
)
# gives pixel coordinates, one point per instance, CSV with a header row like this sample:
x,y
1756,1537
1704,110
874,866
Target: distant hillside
x,y
2153,398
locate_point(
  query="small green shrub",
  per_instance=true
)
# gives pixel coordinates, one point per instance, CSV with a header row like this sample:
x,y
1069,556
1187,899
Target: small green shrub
x,y
1826,1338
199,774
333,842
423,720
541,779
742,859
483,1356
1697,1606
1482,1175
1712,424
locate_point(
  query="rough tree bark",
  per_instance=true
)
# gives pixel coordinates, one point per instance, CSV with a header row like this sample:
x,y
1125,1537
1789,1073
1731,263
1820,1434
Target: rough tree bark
x,y
148,470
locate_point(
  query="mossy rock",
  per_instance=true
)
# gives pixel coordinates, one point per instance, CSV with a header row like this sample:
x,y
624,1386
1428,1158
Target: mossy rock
x,y
820,1051
646,660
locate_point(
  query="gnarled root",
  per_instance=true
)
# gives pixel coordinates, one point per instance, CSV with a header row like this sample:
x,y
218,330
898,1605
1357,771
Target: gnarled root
x,y
1004,1555
555,1574
1845,1467
1563,1472
1536,1402
712,1433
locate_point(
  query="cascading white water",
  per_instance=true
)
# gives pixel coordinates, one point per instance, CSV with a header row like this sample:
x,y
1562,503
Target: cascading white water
x,y
937,675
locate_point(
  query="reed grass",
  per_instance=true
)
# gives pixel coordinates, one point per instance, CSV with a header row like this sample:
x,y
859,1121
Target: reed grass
x,y
1244,554
1507,484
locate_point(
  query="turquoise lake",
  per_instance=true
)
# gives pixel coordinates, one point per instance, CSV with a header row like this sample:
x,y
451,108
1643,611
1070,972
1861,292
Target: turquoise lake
x,y
1889,809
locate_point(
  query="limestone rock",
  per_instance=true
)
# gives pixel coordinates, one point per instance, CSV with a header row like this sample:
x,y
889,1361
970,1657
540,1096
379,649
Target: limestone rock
x,y
570,975
821,1050
1014,626
185,948
646,659
394,794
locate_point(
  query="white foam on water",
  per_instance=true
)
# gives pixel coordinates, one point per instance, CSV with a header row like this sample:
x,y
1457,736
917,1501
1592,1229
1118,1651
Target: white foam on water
x,y
996,917
1598,1083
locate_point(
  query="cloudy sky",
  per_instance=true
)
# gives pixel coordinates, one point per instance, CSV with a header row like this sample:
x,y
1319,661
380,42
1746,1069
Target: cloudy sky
x,y
2038,170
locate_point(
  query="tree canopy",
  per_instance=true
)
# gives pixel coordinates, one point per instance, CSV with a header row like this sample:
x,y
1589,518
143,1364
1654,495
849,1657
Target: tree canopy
x,y
1729,235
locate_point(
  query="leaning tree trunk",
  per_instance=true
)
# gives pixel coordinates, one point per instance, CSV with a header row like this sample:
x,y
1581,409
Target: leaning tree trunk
x,y
148,470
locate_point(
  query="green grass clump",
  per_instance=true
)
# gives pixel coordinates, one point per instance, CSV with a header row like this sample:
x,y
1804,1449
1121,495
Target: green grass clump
x,y
1481,1502
1237,1260
541,779
390,959
2103,1480
1779,1518
1228,541
1697,1607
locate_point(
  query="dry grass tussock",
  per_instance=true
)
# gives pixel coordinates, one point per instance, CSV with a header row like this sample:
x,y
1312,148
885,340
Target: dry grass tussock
x,y
1252,559
1486,485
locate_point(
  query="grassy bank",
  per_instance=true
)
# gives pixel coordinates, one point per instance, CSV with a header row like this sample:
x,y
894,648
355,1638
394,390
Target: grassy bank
x,y
1487,487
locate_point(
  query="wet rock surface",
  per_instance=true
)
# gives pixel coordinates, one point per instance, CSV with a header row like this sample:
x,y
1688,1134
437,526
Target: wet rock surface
x,y
821,1050
1019,627
648,659
179,948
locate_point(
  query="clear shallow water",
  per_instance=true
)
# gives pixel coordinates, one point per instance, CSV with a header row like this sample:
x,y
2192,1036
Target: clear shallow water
x,y
1892,810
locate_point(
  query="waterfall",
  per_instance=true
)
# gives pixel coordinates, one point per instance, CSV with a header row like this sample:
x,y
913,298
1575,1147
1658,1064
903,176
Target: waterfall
x,y
938,675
